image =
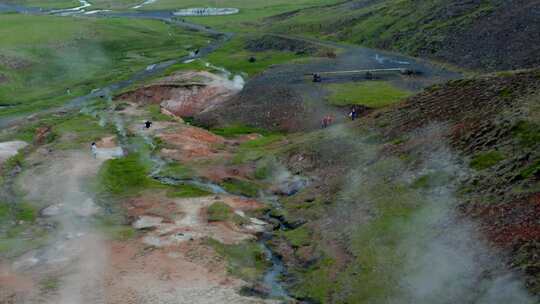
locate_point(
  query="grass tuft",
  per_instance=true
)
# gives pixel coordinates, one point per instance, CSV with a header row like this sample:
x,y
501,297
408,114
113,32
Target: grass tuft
x,y
372,94
486,160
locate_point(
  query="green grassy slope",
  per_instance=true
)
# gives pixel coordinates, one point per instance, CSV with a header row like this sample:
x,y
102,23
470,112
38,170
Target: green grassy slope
x,y
41,56
50,4
466,33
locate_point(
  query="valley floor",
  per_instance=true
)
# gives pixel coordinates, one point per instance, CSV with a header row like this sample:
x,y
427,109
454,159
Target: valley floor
x,y
209,185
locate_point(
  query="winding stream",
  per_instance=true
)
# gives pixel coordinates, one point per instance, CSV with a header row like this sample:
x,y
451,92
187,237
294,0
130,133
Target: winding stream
x,y
354,57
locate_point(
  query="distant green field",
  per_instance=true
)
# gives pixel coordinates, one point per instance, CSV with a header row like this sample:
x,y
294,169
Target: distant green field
x,y
41,57
373,94
250,10
234,57
49,4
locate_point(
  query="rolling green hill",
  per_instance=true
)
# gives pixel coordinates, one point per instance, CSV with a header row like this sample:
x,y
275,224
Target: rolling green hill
x,y
479,34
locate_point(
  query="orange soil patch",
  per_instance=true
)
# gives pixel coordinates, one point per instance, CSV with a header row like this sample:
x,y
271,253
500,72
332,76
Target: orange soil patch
x,y
188,273
192,143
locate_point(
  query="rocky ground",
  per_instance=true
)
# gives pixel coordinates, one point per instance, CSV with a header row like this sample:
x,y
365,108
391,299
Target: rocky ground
x,y
169,248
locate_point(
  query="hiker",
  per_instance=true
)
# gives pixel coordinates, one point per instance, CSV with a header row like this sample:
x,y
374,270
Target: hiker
x,y
94,149
148,124
327,121
330,120
324,122
353,114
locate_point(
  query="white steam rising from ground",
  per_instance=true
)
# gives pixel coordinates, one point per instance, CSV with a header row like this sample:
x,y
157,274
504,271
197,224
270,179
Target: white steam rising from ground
x,y
438,256
446,260
75,248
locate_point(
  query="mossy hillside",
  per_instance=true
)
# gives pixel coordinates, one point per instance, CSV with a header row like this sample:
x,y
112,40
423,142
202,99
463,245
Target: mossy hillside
x,y
390,24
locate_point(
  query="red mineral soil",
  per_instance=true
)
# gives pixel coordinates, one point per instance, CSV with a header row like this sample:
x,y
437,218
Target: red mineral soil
x,y
174,221
187,273
190,143
185,94
170,261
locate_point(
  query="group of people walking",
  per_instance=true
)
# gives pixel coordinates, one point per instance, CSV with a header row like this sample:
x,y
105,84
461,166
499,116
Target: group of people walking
x,y
329,119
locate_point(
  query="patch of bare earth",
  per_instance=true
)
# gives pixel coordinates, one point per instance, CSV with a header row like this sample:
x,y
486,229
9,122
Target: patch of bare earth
x,y
188,143
171,262
185,94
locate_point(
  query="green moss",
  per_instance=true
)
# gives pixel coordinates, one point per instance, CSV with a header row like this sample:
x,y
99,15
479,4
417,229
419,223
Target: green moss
x,y
124,176
531,170
156,115
176,170
528,133
245,260
20,238
436,179
25,212
84,128
486,160
505,93
262,172
299,237
237,129
256,149
49,284
16,160
316,284
372,94
186,190
219,212
5,211
241,187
